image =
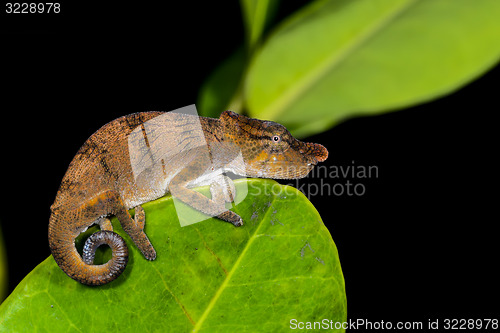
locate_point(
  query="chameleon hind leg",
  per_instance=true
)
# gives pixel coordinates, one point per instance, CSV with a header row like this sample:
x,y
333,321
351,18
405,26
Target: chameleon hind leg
x,y
105,224
134,227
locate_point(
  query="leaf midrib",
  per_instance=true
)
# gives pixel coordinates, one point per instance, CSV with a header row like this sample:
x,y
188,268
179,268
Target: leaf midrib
x,y
256,22
274,109
224,284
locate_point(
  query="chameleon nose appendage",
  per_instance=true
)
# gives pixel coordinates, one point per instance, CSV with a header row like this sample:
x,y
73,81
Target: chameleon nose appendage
x,y
315,150
319,151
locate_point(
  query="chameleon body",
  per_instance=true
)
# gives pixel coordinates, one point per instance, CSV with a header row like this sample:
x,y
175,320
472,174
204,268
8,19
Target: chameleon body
x,y
141,157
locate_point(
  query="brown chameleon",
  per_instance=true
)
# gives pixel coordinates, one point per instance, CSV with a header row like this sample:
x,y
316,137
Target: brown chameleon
x,y
141,157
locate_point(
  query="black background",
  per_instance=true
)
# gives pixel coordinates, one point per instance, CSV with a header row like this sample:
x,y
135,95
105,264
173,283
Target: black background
x,y
420,244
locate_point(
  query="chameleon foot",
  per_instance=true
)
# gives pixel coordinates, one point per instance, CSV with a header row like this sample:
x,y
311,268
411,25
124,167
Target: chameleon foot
x,y
232,217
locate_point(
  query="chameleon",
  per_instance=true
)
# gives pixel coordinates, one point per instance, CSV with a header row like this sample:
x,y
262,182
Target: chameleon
x,y
140,157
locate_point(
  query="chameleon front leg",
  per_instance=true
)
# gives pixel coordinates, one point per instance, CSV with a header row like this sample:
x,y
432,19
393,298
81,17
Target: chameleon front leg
x,y
223,190
213,207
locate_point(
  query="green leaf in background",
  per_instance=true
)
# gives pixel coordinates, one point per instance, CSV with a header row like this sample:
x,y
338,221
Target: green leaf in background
x,y
209,276
256,15
221,91
3,269
338,58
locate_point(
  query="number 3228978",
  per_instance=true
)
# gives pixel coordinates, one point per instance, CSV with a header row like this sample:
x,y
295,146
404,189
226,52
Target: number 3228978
x,y
32,7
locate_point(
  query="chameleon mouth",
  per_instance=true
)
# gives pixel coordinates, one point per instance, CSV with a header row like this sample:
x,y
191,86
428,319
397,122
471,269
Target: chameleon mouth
x,y
287,170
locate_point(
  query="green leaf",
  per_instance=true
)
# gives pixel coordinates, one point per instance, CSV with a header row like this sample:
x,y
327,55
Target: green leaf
x,y
339,58
257,14
3,269
221,91
209,276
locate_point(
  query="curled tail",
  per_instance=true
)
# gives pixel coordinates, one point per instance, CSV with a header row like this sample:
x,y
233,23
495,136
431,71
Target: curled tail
x,y
62,245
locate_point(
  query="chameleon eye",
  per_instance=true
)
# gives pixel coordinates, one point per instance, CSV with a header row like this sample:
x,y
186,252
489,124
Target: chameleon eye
x,y
276,138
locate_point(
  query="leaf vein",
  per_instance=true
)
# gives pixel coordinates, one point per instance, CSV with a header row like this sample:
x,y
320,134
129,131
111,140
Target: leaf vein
x,y
210,250
68,318
317,73
224,284
281,280
175,297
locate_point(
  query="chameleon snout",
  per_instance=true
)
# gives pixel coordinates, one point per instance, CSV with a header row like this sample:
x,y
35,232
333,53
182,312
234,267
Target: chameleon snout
x,y
319,152
314,151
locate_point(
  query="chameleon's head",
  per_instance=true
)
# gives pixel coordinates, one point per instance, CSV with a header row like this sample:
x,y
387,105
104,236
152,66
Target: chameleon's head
x,y
268,149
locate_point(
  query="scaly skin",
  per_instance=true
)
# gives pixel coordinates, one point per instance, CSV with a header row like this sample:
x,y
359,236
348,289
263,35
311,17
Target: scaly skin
x,y
140,157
